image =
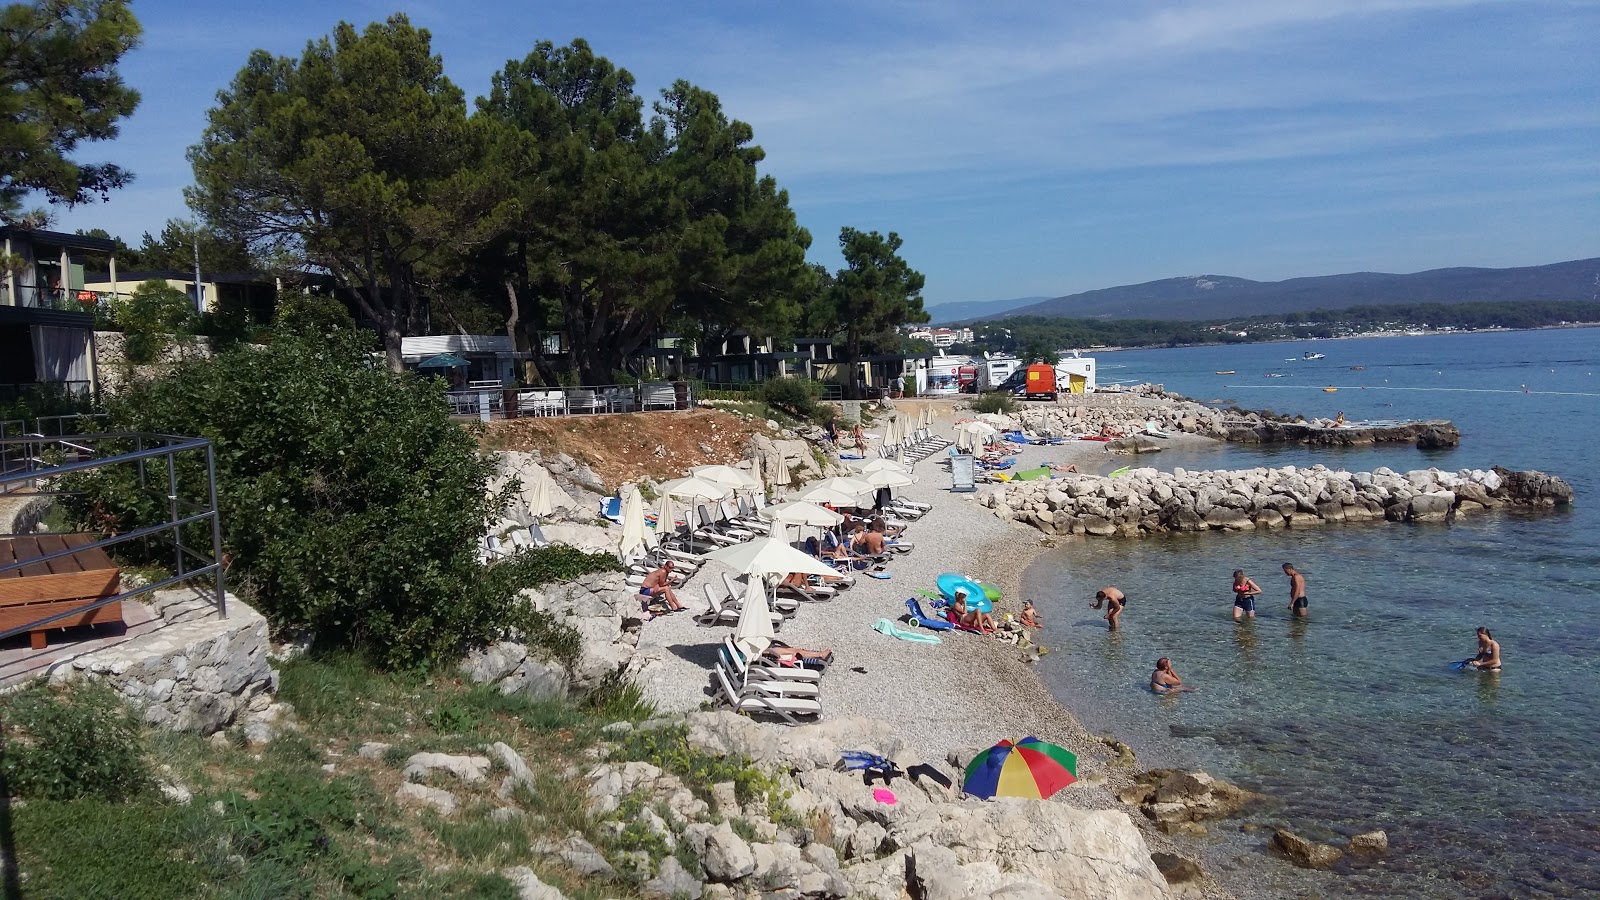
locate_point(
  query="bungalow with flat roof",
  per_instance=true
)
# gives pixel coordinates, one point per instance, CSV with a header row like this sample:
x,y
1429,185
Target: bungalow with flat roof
x,y
47,311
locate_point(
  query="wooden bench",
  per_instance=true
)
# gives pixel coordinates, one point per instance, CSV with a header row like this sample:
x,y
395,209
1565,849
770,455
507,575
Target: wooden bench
x,y
45,588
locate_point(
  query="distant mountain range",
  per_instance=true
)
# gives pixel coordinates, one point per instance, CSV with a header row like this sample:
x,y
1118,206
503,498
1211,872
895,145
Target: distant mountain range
x,y
965,310
1208,297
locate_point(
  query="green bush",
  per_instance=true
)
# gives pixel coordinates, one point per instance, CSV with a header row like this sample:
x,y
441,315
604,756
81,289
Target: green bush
x,y
352,505
63,743
796,396
152,317
994,403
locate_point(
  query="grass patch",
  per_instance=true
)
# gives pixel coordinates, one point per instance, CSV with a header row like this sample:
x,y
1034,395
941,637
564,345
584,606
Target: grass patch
x,y
270,822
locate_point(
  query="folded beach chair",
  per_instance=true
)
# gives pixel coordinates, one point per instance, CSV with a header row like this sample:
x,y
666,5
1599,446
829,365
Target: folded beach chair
x,y
791,709
611,508
922,619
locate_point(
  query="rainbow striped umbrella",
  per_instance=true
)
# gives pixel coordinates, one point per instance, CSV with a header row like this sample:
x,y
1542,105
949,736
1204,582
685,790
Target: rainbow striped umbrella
x,y
1028,768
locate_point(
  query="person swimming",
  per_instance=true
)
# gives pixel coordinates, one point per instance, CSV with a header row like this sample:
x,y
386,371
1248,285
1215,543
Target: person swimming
x,y
1488,658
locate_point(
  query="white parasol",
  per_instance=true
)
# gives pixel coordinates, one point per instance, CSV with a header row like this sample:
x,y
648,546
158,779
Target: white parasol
x,y
544,496
635,537
845,485
666,516
754,633
727,476
880,465
888,478
797,512
694,488
780,476
769,556
821,494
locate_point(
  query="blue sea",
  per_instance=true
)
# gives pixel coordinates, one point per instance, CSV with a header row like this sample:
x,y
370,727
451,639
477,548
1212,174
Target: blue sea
x,y
1488,785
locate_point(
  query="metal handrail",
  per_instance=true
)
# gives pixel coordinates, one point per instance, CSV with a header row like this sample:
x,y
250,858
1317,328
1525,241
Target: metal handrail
x,y
179,516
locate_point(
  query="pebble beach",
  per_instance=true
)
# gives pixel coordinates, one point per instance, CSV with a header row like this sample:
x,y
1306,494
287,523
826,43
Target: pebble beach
x,y
962,694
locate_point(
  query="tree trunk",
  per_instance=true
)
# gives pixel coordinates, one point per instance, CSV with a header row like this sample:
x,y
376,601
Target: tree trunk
x,y
391,343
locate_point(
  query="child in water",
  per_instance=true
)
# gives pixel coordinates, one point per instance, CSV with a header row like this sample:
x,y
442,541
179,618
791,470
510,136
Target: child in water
x,y
1030,616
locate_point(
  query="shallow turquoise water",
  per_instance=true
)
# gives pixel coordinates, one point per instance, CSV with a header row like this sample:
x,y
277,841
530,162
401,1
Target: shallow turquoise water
x,y
1354,719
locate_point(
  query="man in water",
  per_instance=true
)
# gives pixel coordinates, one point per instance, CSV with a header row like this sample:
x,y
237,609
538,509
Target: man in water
x,y
1114,601
1298,605
1165,681
1488,658
1244,595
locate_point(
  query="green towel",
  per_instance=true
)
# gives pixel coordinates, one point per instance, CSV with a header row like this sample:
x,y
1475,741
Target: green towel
x,y
885,626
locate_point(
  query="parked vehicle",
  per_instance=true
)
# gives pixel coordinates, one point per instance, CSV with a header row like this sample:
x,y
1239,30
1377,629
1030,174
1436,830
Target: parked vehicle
x,y
1040,383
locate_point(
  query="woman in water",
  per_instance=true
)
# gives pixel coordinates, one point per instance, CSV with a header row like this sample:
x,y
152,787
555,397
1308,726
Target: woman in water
x,y
1244,595
1488,658
1165,681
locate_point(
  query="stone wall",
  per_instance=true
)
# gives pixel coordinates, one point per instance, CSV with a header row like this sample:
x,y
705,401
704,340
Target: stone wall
x,y
1146,500
195,672
111,358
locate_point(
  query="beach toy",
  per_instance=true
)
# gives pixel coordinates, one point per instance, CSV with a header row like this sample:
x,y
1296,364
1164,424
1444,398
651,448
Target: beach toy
x,y
977,597
1029,768
989,590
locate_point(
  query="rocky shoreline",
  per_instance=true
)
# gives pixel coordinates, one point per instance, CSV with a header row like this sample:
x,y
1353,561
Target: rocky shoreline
x,y
1134,410
1147,501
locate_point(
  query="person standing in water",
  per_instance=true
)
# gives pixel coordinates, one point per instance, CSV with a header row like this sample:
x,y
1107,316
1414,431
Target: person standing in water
x,y
1244,595
1114,601
1488,658
1298,605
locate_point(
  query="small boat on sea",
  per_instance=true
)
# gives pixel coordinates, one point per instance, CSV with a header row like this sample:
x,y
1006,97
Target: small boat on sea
x,y
1229,372
1274,375
1309,355
1330,390
1358,368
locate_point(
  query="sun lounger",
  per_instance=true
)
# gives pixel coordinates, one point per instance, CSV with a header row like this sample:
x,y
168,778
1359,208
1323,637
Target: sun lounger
x,y
753,679
919,618
720,612
766,668
736,594
810,593
791,709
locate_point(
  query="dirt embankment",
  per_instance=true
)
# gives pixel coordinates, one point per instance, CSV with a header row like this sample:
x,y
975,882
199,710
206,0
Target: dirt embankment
x,y
632,446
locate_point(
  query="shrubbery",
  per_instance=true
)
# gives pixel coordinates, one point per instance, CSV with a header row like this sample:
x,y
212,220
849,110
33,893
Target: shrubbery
x,y
352,504
994,403
70,743
152,317
795,396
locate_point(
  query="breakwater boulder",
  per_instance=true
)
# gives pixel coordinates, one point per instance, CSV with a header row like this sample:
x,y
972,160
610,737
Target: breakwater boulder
x,y
1131,413
1145,500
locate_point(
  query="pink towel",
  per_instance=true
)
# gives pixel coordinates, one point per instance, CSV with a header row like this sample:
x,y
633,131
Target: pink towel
x,y
884,795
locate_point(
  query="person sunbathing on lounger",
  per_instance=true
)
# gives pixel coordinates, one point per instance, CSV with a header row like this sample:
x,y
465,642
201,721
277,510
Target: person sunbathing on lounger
x,y
884,528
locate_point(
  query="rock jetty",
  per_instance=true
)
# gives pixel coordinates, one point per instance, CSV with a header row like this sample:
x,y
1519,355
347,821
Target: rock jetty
x,y
1132,410
1145,500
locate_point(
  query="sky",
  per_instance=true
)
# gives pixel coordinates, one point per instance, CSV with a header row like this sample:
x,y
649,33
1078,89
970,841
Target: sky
x,y
1030,148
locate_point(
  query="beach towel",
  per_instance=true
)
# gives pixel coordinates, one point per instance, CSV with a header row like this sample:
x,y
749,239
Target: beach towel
x,y
887,627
